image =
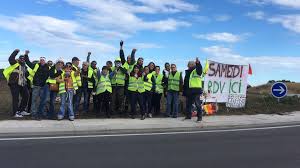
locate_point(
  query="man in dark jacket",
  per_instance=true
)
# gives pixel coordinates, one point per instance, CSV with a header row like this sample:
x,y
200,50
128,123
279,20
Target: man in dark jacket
x,y
40,88
16,75
192,88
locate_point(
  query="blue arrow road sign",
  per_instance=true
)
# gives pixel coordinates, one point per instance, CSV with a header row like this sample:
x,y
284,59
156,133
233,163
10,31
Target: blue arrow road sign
x,y
279,90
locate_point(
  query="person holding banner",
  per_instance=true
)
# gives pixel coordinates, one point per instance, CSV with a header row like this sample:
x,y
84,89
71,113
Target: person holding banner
x,y
192,88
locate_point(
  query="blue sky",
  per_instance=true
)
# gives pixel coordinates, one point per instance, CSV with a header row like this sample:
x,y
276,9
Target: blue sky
x,y
263,33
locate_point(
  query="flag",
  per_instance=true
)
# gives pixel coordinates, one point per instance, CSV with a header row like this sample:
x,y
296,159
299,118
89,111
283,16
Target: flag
x,y
205,68
250,70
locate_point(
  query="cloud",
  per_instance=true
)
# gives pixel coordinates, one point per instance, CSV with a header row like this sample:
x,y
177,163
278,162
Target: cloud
x,y
259,15
294,4
291,22
220,37
222,18
226,55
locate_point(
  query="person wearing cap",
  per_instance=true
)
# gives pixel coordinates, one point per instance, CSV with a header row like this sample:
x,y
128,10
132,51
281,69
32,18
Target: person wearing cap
x,y
40,88
67,88
175,83
192,88
118,76
17,78
103,91
55,72
77,96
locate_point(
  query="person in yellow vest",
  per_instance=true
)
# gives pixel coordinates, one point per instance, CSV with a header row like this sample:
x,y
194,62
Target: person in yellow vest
x,y
40,87
67,88
103,91
118,76
175,83
91,77
149,84
55,72
128,65
16,75
192,89
136,89
77,96
158,90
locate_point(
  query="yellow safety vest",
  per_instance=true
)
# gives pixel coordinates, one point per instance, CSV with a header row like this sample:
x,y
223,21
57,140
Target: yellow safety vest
x,y
136,85
195,80
174,81
118,79
32,73
158,83
52,80
90,75
7,71
62,85
128,67
78,78
104,84
148,84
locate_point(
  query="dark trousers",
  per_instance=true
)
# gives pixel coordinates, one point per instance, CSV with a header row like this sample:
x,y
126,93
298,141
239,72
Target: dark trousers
x,y
86,98
52,114
118,99
135,98
147,101
16,91
156,103
104,100
190,99
76,100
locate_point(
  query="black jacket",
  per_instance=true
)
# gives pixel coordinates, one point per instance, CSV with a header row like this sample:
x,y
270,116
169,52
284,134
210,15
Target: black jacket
x,y
41,75
14,76
190,91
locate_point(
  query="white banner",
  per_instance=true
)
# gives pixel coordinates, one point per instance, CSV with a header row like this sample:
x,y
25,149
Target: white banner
x,y
223,80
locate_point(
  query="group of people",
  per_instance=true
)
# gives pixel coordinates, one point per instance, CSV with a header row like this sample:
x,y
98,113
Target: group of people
x,y
115,89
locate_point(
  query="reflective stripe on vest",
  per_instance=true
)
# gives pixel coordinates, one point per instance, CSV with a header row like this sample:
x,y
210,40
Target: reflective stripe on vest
x,y
104,84
118,78
195,80
158,83
136,85
7,72
174,81
148,85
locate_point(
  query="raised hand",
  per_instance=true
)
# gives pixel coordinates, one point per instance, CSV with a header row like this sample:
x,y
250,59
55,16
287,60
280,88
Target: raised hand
x,y
27,52
121,43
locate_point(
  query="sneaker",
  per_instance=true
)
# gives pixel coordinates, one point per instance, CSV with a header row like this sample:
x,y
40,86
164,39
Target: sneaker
x,y
199,119
150,115
143,117
18,115
24,113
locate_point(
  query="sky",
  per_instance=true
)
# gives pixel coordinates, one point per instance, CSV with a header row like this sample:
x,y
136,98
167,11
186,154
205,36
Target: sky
x,y
262,33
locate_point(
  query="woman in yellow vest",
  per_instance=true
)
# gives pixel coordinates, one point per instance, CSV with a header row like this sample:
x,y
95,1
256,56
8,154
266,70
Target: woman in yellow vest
x,y
174,87
159,89
54,74
136,90
67,89
192,89
149,84
103,92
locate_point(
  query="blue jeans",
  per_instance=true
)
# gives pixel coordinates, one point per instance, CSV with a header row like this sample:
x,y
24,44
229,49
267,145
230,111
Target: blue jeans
x,y
39,93
172,103
67,96
51,113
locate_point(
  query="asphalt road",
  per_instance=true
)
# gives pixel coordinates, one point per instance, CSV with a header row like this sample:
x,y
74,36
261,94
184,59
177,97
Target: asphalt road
x,y
274,148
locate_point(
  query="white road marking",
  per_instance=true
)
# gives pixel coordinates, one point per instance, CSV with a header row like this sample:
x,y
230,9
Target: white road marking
x,y
150,134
